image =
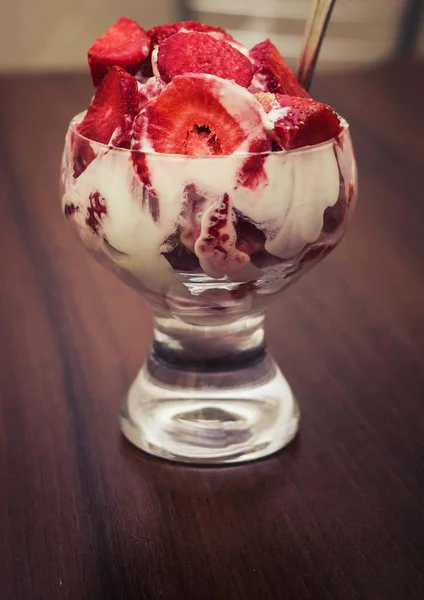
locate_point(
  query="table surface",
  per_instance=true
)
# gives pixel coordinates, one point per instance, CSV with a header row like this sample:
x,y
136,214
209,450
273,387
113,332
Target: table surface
x,y
339,514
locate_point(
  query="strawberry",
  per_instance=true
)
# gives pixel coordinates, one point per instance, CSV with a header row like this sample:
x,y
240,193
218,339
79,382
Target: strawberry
x,y
162,32
297,122
202,115
272,73
201,53
267,100
125,45
112,110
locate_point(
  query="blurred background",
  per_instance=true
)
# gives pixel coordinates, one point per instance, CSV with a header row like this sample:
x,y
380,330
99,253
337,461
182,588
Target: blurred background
x,y
54,34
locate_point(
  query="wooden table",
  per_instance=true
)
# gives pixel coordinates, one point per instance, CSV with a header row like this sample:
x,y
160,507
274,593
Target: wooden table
x,y
338,515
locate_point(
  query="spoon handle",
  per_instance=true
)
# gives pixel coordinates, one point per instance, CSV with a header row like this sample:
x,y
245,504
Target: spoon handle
x,y
315,29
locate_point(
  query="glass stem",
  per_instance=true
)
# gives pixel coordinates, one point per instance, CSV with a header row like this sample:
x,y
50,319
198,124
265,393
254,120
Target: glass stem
x,y
233,345
210,394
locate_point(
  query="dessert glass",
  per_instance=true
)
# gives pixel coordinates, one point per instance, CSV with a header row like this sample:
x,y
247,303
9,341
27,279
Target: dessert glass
x,y
209,250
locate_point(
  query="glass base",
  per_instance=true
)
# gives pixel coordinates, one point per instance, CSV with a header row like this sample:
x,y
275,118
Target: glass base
x,y
210,416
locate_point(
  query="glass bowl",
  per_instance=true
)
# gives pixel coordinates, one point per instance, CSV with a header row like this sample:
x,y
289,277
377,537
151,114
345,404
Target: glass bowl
x,y
209,242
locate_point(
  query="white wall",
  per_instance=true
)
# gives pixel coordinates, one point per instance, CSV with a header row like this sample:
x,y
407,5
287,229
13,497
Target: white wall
x,y
55,34
360,31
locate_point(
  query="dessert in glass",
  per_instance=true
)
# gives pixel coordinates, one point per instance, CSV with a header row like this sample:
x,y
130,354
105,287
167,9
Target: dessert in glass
x,y
208,180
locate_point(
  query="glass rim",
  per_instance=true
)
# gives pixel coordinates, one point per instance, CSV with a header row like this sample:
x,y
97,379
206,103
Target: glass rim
x,y
303,150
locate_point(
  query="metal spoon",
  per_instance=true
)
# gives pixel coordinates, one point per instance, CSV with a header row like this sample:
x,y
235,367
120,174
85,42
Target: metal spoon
x,y
313,37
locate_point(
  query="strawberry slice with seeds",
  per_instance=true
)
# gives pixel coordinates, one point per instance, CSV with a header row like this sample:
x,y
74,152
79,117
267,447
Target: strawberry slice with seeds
x,y
297,122
125,45
111,113
162,32
272,73
202,53
203,115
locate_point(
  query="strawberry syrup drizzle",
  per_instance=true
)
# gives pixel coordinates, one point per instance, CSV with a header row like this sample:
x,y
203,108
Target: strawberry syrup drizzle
x,y
252,172
139,161
218,222
216,244
95,212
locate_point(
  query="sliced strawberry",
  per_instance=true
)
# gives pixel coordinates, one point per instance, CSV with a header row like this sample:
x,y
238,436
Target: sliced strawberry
x,y
203,115
297,122
125,45
112,110
267,100
201,53
272,73
162,32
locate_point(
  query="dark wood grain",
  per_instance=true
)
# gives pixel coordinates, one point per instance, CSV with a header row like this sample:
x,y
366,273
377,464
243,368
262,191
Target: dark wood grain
x,y
337,515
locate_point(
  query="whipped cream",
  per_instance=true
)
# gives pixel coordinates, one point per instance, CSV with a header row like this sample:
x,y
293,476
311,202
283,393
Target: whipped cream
x,y
154,60
136,227
127,233
289,205
259,83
